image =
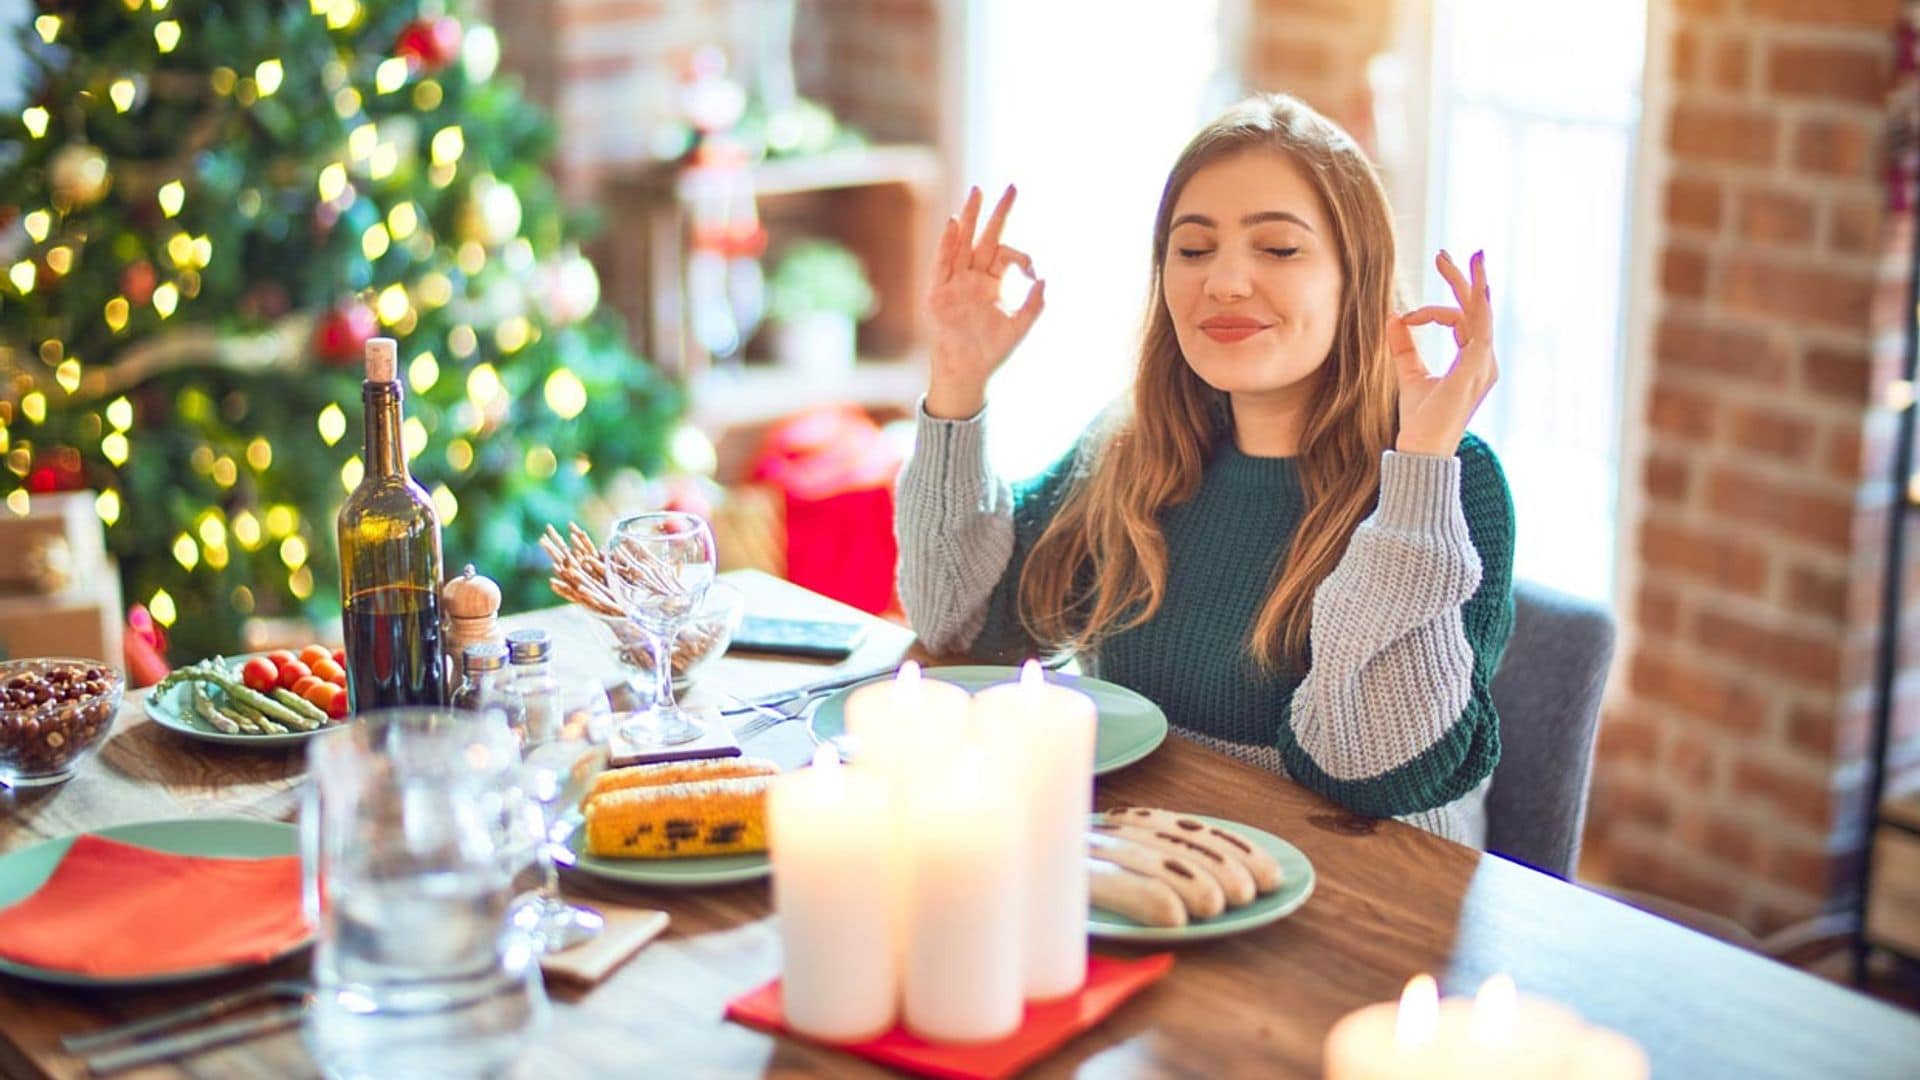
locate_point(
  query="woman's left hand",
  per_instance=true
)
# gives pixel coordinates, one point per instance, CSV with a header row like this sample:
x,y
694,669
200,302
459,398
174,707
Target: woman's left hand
x,y
1434,409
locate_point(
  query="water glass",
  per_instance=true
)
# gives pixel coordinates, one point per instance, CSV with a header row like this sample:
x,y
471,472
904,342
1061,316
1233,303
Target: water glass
x,y
409,832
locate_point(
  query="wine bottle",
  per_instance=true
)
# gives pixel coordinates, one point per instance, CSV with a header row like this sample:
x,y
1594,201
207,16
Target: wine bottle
x,y
390,561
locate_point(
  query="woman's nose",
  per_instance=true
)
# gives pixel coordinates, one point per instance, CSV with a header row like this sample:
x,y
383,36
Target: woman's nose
x,y
1227,280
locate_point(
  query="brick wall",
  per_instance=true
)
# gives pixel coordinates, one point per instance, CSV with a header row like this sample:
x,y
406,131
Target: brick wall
x,y
1318,50
1731,772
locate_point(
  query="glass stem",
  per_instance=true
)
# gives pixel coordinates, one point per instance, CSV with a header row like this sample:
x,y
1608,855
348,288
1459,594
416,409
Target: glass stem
x,y
662,643
550,887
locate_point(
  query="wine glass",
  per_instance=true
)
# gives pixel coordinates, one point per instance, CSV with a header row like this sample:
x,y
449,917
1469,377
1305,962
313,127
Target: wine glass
x,y
658,568
562,725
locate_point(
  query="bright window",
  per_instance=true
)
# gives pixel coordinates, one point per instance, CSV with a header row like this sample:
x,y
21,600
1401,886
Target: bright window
x,y
1530,156
1083,104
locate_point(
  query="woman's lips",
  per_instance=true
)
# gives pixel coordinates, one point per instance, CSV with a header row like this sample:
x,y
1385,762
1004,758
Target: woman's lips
x,y
1228,331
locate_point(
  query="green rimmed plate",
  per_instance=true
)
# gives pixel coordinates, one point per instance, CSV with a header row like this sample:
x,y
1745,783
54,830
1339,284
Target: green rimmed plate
x,y
1130,726
23,871
1296,885
692,872
173,709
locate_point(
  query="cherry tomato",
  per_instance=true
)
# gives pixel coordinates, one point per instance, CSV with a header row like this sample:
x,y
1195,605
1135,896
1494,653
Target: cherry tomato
x,y
313,654
292,672
306,684
336,706
260,674
340,657
330,671
319,692
281,658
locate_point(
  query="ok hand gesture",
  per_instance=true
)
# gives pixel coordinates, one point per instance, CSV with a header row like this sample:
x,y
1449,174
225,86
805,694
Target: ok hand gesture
x,y
1434,409
973,335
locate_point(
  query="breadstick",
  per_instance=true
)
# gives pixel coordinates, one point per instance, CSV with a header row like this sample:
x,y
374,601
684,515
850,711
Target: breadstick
x,y
1196,887
1235,881
1140,898
1261,864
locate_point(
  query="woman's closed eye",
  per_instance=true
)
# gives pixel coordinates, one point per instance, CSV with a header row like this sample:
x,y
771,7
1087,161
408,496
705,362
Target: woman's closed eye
x,y
1276,252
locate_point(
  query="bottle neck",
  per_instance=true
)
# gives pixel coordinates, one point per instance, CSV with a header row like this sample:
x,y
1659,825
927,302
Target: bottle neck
x,y
385,455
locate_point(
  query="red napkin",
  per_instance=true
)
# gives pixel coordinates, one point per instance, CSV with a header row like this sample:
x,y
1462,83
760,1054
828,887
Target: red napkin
x,y
1046,1028
113,909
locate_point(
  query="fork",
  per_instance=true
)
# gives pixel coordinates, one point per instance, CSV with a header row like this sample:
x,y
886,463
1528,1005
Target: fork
x,y
144,1050
766,717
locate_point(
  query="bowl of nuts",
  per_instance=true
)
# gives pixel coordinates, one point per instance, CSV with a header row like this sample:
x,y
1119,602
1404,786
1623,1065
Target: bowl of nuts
x,y
53,712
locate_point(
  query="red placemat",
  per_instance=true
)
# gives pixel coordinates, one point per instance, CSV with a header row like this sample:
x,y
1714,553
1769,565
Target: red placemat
x,y
1047,1027
114,909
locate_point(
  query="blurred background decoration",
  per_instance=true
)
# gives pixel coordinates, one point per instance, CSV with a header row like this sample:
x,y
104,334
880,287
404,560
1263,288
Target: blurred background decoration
x,y
209,209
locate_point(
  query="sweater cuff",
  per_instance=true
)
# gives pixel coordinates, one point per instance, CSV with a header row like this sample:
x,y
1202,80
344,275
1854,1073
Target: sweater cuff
x,y
1420,494
957,449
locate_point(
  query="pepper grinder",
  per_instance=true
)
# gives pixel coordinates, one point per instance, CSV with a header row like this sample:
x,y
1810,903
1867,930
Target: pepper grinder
x,y
472,604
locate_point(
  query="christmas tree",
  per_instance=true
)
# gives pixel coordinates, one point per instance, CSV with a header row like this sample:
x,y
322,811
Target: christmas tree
x,y
207,208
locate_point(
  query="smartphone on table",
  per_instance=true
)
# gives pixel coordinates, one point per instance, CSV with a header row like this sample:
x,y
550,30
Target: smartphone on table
x,y
812,638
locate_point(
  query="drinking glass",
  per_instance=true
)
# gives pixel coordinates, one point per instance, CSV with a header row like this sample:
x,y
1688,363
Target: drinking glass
x,y
565,723
407,836
658,568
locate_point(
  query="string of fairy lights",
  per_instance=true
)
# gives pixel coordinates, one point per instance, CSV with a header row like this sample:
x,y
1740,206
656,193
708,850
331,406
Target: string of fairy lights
x,y
487,227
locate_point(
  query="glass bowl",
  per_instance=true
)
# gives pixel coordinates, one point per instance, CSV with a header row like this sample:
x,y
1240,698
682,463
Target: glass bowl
x,y
701,640
53,712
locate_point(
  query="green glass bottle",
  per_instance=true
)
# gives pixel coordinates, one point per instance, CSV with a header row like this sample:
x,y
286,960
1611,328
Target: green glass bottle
x,y
390,565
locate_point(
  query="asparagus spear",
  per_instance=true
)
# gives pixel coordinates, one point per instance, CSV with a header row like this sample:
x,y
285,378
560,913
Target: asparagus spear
x,y
218,720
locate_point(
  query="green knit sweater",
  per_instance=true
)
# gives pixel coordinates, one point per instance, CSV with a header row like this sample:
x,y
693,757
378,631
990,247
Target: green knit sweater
x,y
1417,614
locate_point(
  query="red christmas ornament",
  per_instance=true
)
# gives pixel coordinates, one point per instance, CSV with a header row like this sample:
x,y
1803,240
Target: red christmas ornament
x,y
429,45
137,282
341,336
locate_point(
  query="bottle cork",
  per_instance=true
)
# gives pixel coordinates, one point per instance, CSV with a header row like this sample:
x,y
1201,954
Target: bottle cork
x,y
383,359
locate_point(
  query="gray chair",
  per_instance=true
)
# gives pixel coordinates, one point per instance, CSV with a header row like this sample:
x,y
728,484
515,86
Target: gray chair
x,y
1547,692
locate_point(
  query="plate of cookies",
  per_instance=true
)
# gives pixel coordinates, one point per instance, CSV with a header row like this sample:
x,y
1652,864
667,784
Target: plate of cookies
x,y
1163,876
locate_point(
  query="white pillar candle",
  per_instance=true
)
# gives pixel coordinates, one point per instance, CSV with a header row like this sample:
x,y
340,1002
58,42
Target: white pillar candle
x,y
1045,732
897,722
1497,1036
831,846
964,903
899,728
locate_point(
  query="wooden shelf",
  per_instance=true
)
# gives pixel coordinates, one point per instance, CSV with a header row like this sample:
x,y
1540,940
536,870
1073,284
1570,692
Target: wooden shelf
x,y
876,200
753,394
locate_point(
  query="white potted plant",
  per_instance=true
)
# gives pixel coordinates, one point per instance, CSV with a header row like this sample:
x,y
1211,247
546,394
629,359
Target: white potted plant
x,y
816,297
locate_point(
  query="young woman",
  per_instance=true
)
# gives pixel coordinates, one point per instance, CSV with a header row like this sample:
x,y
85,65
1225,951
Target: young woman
x,y
1286,539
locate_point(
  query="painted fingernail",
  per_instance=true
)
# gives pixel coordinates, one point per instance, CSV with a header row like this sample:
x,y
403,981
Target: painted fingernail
x,y
1444,255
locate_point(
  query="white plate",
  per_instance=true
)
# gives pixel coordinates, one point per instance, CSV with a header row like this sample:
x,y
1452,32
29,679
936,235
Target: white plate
x,y
173,710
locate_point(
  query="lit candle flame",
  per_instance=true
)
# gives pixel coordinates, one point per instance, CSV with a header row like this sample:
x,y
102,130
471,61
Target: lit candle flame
x,y
909,675
1418,1019
1030,674
1493,1011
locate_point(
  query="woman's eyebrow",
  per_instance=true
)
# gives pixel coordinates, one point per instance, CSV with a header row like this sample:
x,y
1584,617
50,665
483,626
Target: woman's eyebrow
x,y
1248,221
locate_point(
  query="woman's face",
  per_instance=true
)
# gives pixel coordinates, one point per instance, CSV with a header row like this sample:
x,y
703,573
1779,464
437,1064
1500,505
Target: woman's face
x,y
1252,275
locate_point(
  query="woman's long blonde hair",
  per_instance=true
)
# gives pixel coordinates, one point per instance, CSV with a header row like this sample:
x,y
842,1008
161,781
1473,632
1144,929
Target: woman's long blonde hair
x,y
1101,565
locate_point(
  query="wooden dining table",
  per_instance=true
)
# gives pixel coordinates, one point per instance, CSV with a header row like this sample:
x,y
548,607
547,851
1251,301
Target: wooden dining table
x,y
1390,901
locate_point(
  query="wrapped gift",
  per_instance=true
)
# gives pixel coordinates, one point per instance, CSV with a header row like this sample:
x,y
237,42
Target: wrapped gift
x,y
59,594
53,546
81,621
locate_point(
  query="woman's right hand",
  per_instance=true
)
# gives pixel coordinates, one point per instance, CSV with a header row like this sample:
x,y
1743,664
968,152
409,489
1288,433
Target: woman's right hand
x,y
973,335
